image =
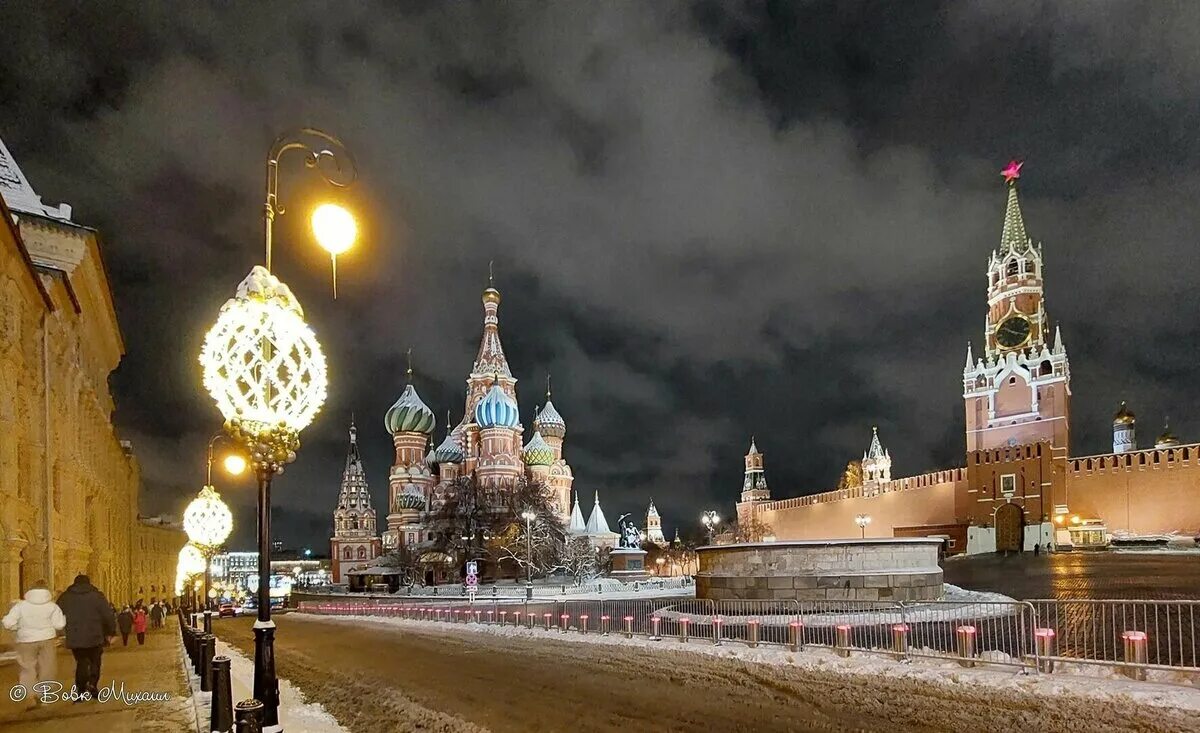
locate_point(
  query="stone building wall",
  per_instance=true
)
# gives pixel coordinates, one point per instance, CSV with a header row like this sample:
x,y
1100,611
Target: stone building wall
x,y
68,485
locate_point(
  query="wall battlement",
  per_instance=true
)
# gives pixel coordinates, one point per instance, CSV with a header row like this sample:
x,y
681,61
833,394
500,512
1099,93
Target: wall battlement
x,y
908,483
1182,456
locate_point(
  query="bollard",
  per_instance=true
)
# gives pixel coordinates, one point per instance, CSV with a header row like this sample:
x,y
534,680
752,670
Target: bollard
x,y
563,621
1135,653
220,710
900,641
529,619
796,636
717,621
583,617
546,620
458,616
604,624
629,627
753,633
683,628
491,615
966,645
517,618
1044,638
842,642
248,716
504,617
207,650
477,614
655,622
437,614
199,655
187,643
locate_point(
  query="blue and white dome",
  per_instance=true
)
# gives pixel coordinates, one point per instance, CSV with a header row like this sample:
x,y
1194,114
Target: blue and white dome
x,y
409,414
537,451
409,500
497,410
549,423
449,451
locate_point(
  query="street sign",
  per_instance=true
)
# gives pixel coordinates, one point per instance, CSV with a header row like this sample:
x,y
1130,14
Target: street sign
x,y
472,581
472,568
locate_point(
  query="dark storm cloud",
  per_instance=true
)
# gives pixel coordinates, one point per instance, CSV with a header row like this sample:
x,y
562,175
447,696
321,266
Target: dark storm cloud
x,y
709,219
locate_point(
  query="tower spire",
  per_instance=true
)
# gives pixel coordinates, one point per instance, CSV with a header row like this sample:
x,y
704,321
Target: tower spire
x,y
409,372
970,357
1013,238
547,386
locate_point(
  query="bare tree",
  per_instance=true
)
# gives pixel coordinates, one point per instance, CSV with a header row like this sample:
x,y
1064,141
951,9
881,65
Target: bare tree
x,y
752,530
578,559
522,544
851,477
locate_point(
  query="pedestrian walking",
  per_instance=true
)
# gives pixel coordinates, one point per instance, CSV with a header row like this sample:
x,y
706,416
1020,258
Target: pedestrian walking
x,y
125,624
139,624
90,625
36,620
157,612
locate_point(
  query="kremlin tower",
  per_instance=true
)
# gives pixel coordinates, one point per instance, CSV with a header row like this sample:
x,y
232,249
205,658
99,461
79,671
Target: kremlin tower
x,y
754,484
354,540
1124,430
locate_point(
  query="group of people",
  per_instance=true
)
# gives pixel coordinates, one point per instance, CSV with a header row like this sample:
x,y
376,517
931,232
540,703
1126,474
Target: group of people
x,y
90,623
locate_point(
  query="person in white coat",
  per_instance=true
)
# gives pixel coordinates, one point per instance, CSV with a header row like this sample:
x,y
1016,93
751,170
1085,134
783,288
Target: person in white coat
x,y
36,621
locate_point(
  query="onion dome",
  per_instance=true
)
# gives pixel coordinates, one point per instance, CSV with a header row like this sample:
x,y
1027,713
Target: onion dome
x,y
429,458
449,451
496,410
1167,439
1124,416
407,500
537,451
549,423
409,414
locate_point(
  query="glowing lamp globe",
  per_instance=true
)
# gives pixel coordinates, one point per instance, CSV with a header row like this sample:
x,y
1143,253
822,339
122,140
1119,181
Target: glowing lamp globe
x,y
207,520
334,228
191,562
265,369
234,464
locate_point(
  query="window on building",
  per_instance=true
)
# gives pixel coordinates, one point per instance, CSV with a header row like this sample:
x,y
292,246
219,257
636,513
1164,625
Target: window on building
x,y
1011,268
362,553
348,554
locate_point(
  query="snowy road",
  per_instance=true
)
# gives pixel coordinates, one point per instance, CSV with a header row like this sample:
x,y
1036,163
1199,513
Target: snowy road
x,y
375,678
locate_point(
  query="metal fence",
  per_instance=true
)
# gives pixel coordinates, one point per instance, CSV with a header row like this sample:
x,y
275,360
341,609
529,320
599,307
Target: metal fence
x,y
991,633
1134,634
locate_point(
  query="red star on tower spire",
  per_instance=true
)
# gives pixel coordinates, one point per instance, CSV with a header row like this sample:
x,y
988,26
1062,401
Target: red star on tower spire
x,y
1013,171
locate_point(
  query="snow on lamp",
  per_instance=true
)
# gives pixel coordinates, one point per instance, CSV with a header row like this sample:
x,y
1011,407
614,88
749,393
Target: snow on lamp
x,y
207,521
265,370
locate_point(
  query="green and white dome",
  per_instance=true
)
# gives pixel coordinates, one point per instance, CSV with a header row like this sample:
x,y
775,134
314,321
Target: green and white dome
x,y
537,451
409,414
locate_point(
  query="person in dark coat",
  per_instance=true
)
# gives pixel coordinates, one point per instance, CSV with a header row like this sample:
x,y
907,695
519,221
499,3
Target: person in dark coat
x,y
125,624
90,625
157,611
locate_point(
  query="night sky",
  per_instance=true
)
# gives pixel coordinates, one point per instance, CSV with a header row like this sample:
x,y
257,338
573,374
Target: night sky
x,y
709,220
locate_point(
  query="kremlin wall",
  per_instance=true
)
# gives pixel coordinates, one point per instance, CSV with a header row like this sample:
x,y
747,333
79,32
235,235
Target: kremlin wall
x,y
1019,489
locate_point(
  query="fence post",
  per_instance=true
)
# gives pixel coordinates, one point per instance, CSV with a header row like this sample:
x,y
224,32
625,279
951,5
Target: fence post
x,y
796,636
248,716
655,623
716,624
546,619
628,627
1135,653
842,644
583,619
683,628
966,645
1044,639
753,633
220,712
900,641
604,624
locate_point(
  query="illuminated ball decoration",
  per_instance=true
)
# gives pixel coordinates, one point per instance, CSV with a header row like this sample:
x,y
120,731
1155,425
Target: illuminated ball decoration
x,y
191,563
207,520
265,370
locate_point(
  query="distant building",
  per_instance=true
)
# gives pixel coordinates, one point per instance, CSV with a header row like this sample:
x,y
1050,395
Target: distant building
x,y
654,533
355,542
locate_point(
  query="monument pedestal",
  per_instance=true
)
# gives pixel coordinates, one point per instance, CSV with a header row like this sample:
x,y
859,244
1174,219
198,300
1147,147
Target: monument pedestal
x,y
628,564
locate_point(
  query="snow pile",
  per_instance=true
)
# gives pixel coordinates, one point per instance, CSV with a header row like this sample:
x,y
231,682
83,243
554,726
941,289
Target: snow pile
x,y
295,715
863,667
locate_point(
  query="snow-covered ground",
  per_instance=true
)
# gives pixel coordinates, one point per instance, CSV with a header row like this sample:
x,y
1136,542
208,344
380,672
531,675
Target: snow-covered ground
x,y
1163,689
295,714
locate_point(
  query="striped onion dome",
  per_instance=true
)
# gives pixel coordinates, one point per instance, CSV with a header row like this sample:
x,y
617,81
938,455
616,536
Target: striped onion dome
x,y
449,451
496,410
549,423
537,451
410,501
409,414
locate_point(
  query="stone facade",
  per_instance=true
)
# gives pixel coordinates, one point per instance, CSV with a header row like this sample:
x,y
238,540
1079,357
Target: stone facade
x,y
68,485
873,569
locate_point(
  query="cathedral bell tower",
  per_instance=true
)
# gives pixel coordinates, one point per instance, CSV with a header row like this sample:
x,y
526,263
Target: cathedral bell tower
x,y
1018,390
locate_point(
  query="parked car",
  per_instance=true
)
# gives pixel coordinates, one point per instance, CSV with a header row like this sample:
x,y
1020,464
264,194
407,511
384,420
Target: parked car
x,y
226,609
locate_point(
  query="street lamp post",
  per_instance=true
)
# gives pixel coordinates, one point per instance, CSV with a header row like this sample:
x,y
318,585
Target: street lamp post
x,y
207,522
710,520
265,370
528,516
862,520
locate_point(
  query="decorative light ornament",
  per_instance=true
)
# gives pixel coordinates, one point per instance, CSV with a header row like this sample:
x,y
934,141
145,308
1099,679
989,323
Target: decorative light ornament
x,y
207,521
191,562
265,370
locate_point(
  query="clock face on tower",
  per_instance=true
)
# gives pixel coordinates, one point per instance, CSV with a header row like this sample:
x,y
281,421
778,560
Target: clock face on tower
x,y
1013,332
